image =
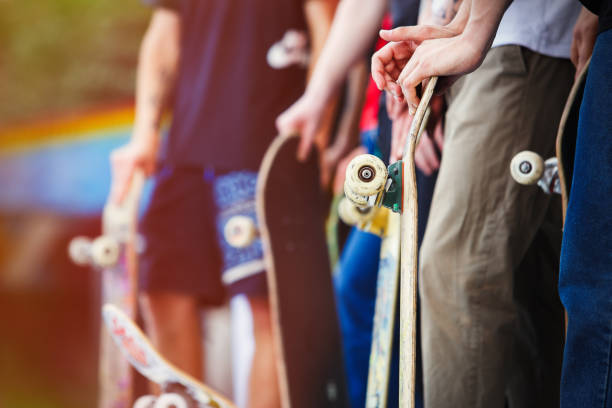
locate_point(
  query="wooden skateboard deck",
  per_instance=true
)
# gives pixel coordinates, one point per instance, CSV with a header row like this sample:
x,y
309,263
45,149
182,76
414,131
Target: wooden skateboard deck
x,y
291,211
567,134
409,253
384,313
115,255
137,349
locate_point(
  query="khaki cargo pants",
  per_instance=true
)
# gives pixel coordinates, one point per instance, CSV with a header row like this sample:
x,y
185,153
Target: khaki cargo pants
x,y
492,323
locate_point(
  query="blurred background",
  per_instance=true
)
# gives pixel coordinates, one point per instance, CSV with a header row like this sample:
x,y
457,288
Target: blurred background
x,y
66,85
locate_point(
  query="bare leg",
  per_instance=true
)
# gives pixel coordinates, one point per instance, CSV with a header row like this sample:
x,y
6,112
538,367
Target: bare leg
x,y
174,326
263,382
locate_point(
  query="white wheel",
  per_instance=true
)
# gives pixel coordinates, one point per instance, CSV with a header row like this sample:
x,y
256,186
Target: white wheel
x,y
366,175
240,231
526,167
170,400
356,199
79,250
351,214
146,401
105,251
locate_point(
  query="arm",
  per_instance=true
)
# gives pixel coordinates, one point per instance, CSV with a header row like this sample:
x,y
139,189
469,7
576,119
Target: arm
x,y
156,77
583,42
356,20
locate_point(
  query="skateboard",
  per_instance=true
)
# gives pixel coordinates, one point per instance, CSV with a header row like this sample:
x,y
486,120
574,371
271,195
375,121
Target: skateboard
x,y
370,183
291,211
555,174
382,222
179,389
114,254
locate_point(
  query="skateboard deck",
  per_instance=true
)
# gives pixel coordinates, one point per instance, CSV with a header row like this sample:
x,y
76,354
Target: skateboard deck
x,y
384,314
178,388
409,253
567,134
291,210
370,183
114,254
384,223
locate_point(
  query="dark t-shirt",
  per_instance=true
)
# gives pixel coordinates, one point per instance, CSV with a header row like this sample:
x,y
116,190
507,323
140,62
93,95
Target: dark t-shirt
x,y
603,8
228,95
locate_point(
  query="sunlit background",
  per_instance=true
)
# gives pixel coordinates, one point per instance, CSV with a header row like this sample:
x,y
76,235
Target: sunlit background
x,y
66,85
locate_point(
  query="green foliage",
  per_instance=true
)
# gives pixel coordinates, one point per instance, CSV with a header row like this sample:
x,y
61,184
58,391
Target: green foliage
x,y
62,55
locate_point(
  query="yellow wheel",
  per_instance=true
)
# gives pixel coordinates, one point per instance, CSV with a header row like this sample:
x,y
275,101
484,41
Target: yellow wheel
x,y
351,214
527,167
356,199
105,251
366,175
79,250
240,231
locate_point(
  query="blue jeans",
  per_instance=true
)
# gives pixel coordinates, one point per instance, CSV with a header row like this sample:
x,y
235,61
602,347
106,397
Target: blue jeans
x,y
585,282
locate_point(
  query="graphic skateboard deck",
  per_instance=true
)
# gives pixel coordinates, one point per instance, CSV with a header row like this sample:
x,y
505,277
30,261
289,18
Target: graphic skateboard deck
x,y
114,254
370,183
291,211
384,223
555,174
179,389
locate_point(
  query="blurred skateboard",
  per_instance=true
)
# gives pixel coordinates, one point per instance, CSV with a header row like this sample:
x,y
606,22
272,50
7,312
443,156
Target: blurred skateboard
x,y
114,254
382,222
179,390
291,210
370,183
555,174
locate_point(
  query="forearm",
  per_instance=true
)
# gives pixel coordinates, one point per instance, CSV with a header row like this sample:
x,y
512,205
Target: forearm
x,y
484,18
354,27
156,75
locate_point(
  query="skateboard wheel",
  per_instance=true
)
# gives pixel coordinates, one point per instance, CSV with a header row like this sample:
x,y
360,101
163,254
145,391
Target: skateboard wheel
x,y
171,400
79,250
526,167
351,214
146,401
356,199
239,231
105,251
366,175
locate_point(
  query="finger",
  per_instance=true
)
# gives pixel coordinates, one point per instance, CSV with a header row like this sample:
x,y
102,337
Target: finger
x,y
574,53
417,33
304,147
121,180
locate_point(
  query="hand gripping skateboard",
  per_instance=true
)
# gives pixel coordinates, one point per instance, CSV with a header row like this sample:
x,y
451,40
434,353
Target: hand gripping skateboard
x,y
555,174
179,390
114,254
380,221
369,182
291,212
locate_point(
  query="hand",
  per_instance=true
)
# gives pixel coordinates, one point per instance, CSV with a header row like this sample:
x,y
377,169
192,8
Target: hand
x,y
126,160
585,33
389,61
341,169
303,117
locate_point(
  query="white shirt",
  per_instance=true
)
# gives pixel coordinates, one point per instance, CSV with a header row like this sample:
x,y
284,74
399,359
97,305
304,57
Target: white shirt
x,y
544,26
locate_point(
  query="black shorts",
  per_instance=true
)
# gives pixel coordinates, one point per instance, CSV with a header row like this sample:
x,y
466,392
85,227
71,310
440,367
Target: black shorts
x,y
185,250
